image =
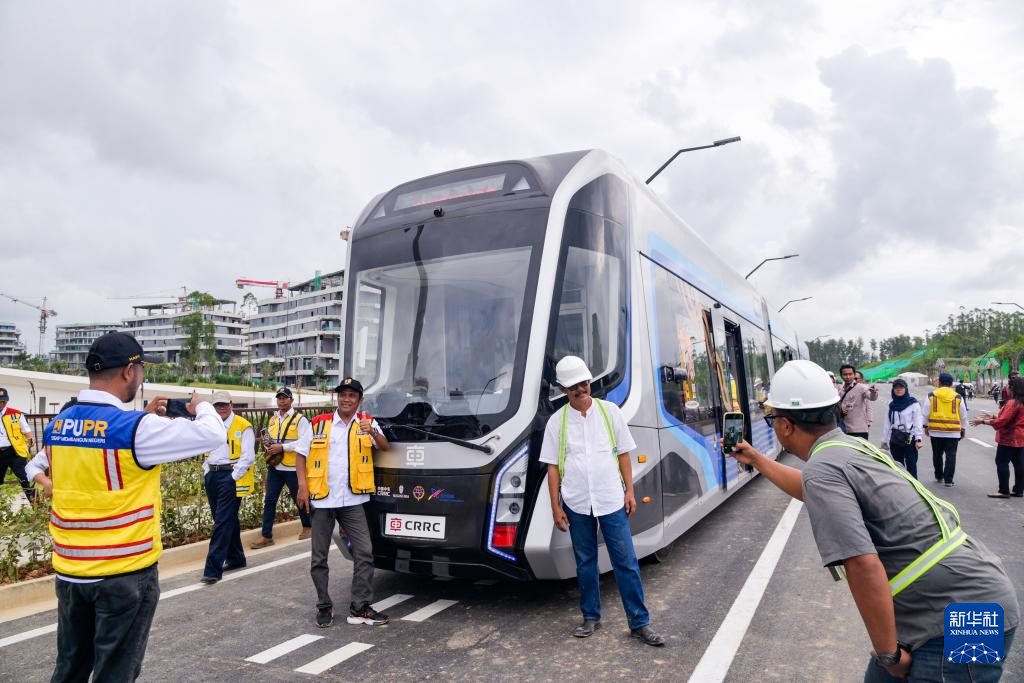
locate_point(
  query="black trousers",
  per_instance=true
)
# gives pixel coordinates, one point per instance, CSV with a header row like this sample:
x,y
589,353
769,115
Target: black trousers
x,y
1005,456
944,447
226,540
906,455
10,458
103,627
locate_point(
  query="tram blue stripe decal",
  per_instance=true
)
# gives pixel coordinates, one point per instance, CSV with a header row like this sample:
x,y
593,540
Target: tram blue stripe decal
x,y
682,266
701,446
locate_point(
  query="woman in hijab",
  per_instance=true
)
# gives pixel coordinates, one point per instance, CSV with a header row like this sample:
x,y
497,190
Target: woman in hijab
x,y
904,427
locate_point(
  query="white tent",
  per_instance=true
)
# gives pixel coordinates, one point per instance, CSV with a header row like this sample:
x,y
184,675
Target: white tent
x,y
914,379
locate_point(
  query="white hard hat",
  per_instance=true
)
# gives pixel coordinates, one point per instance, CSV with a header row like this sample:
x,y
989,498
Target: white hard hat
x,y
572,370
801,385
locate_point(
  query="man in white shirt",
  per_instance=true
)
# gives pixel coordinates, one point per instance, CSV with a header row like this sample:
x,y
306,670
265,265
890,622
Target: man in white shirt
x,y
586,447
107,591
290,433
338,492
227,478
15,442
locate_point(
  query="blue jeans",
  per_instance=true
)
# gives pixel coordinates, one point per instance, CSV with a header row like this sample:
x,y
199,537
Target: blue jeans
x,y
277,480
618,539
930,665
226,540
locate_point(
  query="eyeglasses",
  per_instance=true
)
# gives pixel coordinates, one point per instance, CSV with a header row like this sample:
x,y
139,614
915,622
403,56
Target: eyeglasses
x,y
578,385
770,419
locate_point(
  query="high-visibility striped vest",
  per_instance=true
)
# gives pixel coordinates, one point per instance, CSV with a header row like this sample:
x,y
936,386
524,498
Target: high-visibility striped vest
x,y
105,513
944,415
563,435
360,458
282,431
951,537
244,484
11,421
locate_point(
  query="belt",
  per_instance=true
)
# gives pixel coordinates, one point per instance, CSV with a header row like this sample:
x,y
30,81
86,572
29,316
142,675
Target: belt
x,y
221,468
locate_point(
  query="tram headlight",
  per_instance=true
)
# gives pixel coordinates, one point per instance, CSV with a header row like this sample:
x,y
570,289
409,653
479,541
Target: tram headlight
x,y
507,503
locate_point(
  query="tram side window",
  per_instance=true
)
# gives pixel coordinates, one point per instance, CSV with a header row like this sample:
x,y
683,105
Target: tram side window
x,y
681,335
368,339
590,314
783,353
755,360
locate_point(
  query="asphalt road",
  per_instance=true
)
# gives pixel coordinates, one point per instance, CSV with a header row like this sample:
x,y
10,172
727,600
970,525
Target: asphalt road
x,y
805,627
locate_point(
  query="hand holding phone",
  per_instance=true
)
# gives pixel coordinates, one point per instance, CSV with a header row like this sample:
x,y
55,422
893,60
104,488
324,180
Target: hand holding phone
x,y
732,430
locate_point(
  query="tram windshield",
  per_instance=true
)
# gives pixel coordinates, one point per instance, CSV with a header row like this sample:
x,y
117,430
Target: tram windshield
x,y
439,319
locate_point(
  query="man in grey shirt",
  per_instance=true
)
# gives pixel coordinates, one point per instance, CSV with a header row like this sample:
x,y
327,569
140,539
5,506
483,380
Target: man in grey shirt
x,y
872,521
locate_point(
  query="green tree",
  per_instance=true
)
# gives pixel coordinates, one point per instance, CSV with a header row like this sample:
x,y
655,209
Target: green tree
x,y
319,373
200,345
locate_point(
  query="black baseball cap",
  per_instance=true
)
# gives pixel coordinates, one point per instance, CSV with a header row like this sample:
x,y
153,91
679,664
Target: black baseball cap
x,y
116,350
283,391
349,383
4,396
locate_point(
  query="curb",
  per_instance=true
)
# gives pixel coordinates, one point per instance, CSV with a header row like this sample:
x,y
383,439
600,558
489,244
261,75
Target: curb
x,y
27,597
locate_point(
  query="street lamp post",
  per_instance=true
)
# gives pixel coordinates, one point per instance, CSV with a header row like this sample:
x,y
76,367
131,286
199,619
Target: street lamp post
x,y
793,301
1008,303
716,143
774,258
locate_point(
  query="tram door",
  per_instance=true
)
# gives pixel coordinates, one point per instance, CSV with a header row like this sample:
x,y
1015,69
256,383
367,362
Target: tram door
x,y
732,383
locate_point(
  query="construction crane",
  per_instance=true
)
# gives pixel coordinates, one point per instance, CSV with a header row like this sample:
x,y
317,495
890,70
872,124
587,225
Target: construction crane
x,y
278,286
44,314
184,293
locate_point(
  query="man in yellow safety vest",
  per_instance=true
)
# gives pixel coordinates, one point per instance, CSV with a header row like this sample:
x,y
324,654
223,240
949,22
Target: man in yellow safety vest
x,y
900,548
104,463
228,478
15,442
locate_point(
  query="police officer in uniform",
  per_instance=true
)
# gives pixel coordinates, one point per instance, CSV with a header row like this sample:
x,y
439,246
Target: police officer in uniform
x,y
228,478
104,463
15,442
900,548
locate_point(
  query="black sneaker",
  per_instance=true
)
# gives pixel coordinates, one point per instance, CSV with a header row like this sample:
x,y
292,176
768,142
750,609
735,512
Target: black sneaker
x,y
324,617
366,615
949,484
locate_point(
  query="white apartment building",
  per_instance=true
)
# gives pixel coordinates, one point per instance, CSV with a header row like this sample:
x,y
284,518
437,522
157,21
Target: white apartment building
x,y
74,340
158,328
301,332
10,343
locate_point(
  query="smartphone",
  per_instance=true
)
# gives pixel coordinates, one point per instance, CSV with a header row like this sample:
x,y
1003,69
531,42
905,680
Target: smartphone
x,y
732,430
178,407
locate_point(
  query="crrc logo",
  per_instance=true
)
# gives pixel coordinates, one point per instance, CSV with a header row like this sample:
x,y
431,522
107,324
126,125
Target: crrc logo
x,y
415,456
396,524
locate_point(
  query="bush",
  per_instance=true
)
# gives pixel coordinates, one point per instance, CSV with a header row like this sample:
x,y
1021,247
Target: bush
x,y
24,537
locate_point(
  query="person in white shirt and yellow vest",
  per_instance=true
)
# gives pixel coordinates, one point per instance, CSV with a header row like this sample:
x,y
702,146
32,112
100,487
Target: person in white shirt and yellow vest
x,y
289,433
339,478
15,442
104,463
945,423
590,479
228,478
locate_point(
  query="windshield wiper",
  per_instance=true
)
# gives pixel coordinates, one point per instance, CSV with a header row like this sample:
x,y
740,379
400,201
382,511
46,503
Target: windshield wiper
x,y
450,439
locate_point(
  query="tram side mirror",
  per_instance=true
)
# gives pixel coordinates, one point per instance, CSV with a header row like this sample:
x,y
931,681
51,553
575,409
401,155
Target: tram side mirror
x,y
671,375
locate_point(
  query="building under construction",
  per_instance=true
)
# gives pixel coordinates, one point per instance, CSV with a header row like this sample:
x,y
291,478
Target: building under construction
x,y
73,341
10,343
158,327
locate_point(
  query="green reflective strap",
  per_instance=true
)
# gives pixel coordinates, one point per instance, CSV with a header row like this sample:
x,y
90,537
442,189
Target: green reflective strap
x,y
926,561
951,538
564,419
563,437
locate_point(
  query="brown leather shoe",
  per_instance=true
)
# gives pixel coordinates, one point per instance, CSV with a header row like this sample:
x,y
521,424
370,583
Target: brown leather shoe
x,y
262,543
305,533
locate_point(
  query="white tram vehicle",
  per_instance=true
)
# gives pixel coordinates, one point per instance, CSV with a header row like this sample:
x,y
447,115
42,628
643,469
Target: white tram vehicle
x,y
463,289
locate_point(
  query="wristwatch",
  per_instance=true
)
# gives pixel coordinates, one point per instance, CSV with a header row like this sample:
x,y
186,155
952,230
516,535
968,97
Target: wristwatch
x,y
894,658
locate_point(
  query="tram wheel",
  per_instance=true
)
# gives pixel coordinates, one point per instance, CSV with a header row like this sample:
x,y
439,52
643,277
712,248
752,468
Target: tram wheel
x,y
663,554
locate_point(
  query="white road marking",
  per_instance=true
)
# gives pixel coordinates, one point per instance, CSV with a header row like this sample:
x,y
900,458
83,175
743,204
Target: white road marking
x,y
717,659
11,640
396,599
283,649
318,666
979,442
430,610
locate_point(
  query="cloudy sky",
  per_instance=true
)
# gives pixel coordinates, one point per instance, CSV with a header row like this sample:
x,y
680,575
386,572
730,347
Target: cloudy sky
x,y
146,146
